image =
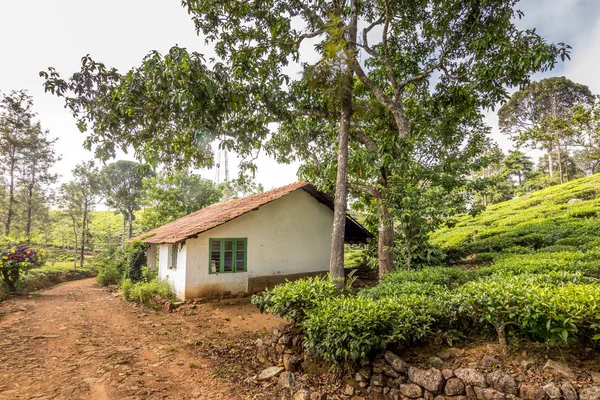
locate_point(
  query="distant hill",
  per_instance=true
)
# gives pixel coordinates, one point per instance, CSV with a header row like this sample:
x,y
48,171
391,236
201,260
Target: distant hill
x,y
562,218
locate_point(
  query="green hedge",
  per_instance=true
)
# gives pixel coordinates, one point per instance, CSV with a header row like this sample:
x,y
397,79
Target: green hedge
x,y
552,307
295,299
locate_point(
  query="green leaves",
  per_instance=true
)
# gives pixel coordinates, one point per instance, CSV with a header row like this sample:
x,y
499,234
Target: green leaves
x,y
295,299
545,307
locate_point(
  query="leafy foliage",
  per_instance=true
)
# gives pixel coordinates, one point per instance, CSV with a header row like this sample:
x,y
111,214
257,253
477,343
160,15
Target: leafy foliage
x,y
549,307
295,299
536,277
169,196
127,262
147,293
17,257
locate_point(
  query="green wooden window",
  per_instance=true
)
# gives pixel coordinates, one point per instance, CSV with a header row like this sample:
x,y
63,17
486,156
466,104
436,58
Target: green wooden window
x,y
227,255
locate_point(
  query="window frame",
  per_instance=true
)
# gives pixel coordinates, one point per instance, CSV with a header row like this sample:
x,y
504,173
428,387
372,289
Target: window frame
x,y
222,255
173,256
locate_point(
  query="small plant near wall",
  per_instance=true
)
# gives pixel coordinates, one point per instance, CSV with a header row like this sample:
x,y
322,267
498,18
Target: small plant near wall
x,y
16,258
136,260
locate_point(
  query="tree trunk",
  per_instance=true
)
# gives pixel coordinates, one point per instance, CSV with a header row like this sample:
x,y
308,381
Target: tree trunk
x,y
29,209
560,168
11,193
124,229
385,245
501,330
130,222
83,232
336,263
550,166
75,248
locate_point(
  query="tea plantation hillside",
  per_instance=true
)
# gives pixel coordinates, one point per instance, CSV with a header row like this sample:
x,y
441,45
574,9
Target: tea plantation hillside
x,y
560,219
523,270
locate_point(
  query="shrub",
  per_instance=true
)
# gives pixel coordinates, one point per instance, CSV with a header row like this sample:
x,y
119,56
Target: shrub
x,y
146,293
551,307
351,328
16,258
111,269
447,276
294,299
136,259
126,262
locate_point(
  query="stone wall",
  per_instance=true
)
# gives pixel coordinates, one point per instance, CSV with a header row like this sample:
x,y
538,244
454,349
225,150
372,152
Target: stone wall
x,y
388,376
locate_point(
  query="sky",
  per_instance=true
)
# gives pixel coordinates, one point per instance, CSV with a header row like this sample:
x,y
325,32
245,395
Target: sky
x,y
37,34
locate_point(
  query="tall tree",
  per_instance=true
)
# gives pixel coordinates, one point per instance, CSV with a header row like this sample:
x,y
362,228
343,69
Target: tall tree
x,y
540,115
36,178
472,48
518,165
169,196
78,198
122,187
16,123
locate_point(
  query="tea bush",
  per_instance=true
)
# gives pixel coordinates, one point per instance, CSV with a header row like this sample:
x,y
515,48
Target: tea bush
x,y
541,219
352,328
537,275
295,299
550,307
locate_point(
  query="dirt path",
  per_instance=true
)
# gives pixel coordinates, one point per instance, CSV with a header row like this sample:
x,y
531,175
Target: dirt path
x,y
80,341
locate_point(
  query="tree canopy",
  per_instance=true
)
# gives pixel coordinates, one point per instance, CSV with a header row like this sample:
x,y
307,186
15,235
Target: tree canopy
x,y
540,115
450,56
168,196
122,188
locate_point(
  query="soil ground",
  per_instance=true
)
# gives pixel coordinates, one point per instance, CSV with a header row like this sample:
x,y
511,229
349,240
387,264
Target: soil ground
x,y
80,341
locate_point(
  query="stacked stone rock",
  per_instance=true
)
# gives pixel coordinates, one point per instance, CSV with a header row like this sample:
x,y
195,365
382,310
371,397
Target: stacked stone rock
x,y
390,377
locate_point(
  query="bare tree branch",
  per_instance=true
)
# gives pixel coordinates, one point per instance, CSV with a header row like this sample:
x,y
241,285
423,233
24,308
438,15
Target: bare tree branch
x,y
425,73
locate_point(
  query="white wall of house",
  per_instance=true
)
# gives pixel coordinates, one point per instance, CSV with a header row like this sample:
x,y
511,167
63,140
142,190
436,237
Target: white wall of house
x,y
289,236
176,276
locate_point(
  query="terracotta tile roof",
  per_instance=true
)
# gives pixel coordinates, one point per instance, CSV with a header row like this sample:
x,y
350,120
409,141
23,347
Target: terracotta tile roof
x,y
220,213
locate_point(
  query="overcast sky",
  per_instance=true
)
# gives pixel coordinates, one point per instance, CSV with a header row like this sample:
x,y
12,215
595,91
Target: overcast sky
x,y
36,34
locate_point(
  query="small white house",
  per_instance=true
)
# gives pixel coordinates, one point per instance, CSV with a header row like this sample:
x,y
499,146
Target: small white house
x,y
248,244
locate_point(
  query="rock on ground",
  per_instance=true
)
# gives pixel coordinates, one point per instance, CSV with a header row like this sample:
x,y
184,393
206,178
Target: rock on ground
x,y
471,377
430,379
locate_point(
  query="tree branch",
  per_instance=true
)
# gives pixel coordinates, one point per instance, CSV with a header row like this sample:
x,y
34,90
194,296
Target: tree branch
x,y
425,73
365,44
310,35
386,57
308,112
365,140
370,190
